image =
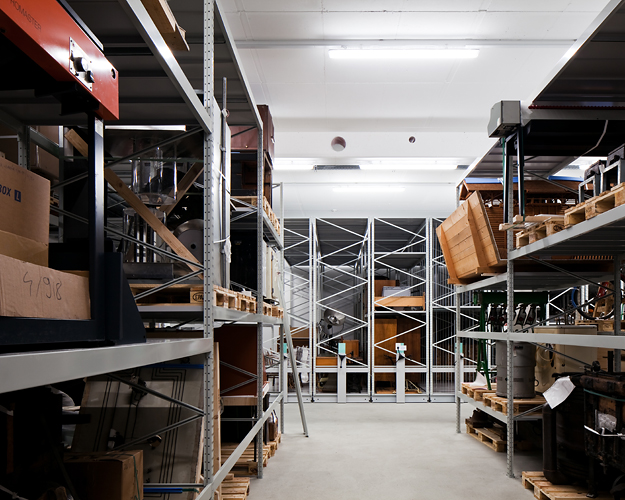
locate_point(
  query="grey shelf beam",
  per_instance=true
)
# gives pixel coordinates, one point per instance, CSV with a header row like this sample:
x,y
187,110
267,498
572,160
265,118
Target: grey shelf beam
x,y
33,369
601,341
190,311
537,281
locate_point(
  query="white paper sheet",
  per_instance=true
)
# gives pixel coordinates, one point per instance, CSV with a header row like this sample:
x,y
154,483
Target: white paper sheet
x,y
559,391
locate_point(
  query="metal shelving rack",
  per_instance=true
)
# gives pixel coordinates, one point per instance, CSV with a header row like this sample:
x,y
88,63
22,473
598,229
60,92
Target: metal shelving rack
x,y
406,248
187,105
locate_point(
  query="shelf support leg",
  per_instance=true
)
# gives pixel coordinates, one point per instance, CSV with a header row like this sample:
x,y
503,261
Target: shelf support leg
x,y
459,374
618,297
509,184
209,365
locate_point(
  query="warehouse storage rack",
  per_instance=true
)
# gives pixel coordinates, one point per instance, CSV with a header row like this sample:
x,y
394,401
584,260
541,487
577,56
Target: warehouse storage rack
x,y
180,92
331,265
553,131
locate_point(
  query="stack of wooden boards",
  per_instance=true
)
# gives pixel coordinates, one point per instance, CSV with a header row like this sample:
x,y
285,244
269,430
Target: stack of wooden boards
x,y
246,201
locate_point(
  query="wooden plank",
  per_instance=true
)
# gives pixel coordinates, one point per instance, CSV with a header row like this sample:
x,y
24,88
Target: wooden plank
x,y
78,142
416,301
124,191
161,14
177,40
183,186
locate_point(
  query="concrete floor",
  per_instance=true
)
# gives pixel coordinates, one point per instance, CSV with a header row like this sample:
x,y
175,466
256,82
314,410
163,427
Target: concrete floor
x,y
386,451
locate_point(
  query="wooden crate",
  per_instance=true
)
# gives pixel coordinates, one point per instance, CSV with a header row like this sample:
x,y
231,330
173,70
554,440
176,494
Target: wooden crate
x,y
468,244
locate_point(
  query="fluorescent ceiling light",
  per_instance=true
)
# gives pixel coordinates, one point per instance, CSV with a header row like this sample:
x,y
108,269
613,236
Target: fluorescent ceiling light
x,y
413,164
173,128
368,189
403,53
292,164
407,166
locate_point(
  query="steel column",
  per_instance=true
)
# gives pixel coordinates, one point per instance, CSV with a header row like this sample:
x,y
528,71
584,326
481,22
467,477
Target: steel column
x,y
618,296
97,196
209,365
260,279
509,185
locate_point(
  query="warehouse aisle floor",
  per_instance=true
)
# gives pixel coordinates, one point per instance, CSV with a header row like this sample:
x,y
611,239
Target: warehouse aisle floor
x,y
386,451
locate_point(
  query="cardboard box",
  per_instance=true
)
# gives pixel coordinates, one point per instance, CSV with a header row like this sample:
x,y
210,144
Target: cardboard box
x,y
107,476
41,161
31,291
25,209
18,247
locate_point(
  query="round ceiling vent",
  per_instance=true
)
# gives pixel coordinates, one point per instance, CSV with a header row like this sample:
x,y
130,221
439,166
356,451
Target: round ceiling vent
x,y
338,143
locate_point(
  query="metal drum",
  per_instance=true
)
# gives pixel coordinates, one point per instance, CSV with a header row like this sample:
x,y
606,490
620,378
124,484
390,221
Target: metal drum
x,y
524,356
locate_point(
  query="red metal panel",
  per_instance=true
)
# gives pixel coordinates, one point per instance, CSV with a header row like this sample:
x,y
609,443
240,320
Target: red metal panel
x,y
42,29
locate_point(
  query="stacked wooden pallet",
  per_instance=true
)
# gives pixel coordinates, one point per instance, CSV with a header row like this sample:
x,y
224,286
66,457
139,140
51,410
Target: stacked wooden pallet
x,y
227,298
247,465
595,206
478,393
233,488
500,404
544,490
245,201
537,227
489,398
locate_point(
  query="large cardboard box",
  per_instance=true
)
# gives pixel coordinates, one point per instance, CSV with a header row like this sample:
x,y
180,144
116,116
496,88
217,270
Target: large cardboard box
x,y
107,476
25,209
31,291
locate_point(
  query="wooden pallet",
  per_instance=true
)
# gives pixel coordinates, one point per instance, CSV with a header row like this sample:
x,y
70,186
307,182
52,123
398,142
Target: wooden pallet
x,y
246,303
253,200
538,232
544,490
273,445
223,297
487,436
519,405
477,393
174,294
246,465
234,488
595,206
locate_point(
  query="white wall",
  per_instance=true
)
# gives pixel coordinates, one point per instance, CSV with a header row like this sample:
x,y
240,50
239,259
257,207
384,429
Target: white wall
x,y
311,194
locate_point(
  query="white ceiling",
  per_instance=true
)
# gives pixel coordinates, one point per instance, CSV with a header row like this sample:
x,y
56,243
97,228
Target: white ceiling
x,y
377,105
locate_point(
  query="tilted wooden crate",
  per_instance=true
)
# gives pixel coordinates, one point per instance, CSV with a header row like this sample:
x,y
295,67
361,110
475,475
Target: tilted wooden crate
x,y
468,243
